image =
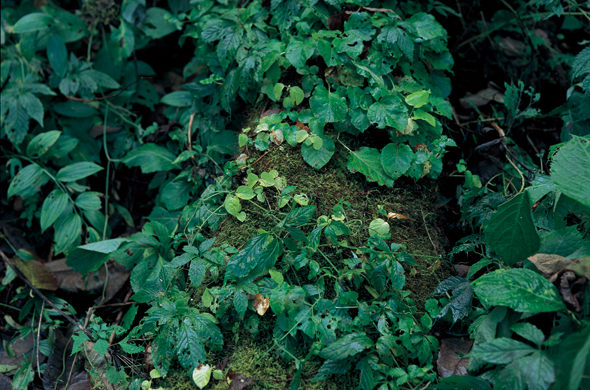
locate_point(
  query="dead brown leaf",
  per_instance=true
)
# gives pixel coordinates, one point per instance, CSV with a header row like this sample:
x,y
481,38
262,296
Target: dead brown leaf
x,y
551,265
482,97
570,289
37,273
449,362
260,304
73,281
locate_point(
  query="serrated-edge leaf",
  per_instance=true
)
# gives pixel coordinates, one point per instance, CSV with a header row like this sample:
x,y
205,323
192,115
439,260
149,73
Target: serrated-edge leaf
x,y
368,162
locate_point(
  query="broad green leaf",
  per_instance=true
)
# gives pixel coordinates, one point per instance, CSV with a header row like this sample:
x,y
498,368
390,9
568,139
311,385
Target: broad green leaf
x,y
53,206
458,382
520,289
328,107
426,26
570,170
232,205
245,192
240,302
389,111
511,231
299,216
74,109
177,99
418,99
84,261
89,200
77,171
277,91
102,79
151,158
318,158
27,181
573,360
189,342
530,332
502,350
32,22
106,246
202,375
396,159
67,230
57,54
349,345
379,228
176,194
41,143
155,24
368,162
298,52
423,115
297,95
243,262
33,106
228,46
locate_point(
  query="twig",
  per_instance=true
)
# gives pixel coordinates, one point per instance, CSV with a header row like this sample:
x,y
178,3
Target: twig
x,y
426,227
38,337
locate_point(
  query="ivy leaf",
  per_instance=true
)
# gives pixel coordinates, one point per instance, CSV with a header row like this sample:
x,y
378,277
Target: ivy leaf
x,y
511,231
368,162
389,111
396,159
520,289
318,158
349,345
328,107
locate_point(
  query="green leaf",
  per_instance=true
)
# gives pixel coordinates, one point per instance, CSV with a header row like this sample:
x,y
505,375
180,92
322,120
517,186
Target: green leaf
x,y
53,206
240,302
242,262
32,22
27,181
57,54
426,26
573,359
389,111
74,109
155,24
396,159
529,332
298,52
89,200
176,194
67,230
511,231
33,106
423,115
570,170
368,162
318,158
520,289
232,205
102,79
202,375
177,99
328,107
418,99
502,351
41,143
457,382
245,192
191,343
77,171
349,345
151,158
299,216
106,246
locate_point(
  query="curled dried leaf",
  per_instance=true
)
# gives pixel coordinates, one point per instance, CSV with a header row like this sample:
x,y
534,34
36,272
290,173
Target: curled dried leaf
x,y
261,304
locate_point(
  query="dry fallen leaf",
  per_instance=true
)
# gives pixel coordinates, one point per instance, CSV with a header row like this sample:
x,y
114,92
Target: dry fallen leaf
x,y
482,97
260,304
551,265
37,273
448,362
570,289
396,216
